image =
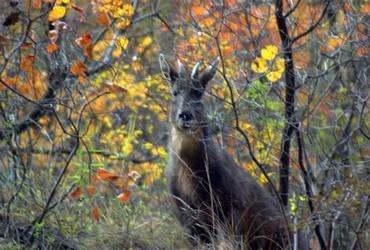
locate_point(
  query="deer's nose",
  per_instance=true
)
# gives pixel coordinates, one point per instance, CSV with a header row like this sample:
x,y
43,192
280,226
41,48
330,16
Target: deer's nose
x,y
185,116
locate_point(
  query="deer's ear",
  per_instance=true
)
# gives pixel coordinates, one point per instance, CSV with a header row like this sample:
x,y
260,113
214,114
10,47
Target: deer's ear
x,y
168,71
209,73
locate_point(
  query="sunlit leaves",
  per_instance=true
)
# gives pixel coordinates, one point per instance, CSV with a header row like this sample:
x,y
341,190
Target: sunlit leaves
x,y
121,44
119,10
269,63
269,52
259,65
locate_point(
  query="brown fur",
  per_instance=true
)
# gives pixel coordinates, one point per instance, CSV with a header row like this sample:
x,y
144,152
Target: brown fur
x,y
213,197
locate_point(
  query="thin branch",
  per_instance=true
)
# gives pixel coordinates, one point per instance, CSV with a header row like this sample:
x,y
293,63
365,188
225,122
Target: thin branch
x,y
308,187
309,30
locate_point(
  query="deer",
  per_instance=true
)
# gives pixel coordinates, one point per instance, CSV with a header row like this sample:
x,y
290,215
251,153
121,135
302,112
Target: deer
x,y
211,195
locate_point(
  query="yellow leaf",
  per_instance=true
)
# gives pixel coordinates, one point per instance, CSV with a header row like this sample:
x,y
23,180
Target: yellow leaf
x,y
146,41
123,23
57,12
279,65
273,76
127,10
259,65
122,42
117,52
269,52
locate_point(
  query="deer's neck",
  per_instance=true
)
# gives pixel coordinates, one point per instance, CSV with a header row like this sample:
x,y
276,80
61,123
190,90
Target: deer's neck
x,y
189,144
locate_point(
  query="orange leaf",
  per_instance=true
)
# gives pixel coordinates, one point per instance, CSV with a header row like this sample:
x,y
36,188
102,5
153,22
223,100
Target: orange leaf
x,y
91,189
89,50
95,179
124,196
103,19
95,213
79,69
106,175
114,87
36,4
76,193
50,48
9,81
86,39
27,62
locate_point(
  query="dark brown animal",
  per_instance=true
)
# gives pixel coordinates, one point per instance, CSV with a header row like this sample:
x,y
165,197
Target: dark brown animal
x,y
213,197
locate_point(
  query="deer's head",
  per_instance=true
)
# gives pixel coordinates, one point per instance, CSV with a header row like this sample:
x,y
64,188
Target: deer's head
x,y
187,91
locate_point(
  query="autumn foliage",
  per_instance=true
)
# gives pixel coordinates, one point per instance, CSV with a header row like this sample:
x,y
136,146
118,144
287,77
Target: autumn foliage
x,y
83,115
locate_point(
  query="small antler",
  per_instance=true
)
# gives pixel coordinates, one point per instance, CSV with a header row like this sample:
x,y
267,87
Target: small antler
x,y
195,72
181,68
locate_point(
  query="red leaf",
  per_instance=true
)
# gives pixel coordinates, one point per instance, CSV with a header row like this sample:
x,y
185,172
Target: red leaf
x,y
86,39
76,193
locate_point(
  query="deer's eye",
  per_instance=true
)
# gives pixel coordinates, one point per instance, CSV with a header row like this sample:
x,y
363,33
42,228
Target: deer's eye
x,y
175,93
